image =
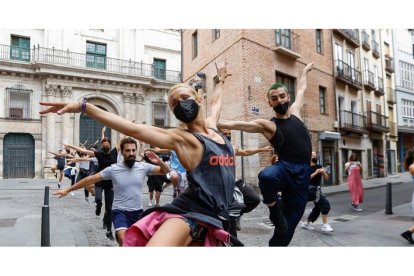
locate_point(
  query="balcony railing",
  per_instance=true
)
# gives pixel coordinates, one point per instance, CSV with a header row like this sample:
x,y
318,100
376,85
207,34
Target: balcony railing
x,y
78,60
390,95
380,87
365,41
377,122
287,43
375,49
352,122
369,80
348,74
352,35
389,64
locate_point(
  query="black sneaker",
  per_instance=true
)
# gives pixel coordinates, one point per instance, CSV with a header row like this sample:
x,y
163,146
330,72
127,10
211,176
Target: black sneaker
x,y
278,218
408,236
98,209
109,235
58,186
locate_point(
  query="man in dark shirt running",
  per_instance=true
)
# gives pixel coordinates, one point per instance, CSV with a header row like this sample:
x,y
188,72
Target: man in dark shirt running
x,y
290,175
106,157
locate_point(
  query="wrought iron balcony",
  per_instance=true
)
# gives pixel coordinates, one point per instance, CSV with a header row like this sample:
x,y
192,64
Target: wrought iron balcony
x,y
369,80
287,43
391,95
365,41
375,49
40,55
380,88
348,75
351,35
377,122
352,122
389,64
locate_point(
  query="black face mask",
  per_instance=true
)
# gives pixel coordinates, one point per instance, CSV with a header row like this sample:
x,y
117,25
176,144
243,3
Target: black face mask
x,y
186,111
130,162
282,108
314,160
228,137
106,150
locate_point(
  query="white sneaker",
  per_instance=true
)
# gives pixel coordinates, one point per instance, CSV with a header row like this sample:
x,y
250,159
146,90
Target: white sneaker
x,y
327,228
72,193
150,203
306,225
356,208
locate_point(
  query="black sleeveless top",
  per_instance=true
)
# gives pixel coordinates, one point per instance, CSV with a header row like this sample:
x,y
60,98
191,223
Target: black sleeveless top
x,y
209,195
292,141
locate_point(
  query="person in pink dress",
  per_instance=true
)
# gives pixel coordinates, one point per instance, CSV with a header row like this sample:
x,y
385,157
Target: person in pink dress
x,y
354,169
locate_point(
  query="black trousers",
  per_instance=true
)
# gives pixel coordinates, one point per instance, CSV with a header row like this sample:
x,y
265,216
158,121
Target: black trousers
x,y
250,197
107,188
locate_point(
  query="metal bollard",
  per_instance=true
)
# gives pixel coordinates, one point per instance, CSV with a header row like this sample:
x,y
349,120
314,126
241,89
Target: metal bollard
x,y
388,200
46,200
45,227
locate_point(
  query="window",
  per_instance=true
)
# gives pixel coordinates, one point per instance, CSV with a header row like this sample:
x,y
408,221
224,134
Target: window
x,y
351,63
366,67
159,68
19,102
20,48
407,109
216,34
194,40
339,58
407,75
284,38
322,100
319,41
376,77
159,113
289,82
95,55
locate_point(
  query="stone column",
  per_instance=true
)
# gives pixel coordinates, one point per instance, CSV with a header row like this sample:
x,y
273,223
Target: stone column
x,y
140,108
127,98
66,126
51,91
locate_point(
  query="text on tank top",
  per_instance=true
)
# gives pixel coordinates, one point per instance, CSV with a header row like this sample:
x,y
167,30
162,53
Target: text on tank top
x,y
212,181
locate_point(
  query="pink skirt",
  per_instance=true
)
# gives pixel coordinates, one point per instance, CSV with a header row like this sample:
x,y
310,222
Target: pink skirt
x,y
141,231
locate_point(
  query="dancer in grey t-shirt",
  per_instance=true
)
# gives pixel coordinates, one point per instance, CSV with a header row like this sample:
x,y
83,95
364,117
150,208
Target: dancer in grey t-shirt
x,y
128,179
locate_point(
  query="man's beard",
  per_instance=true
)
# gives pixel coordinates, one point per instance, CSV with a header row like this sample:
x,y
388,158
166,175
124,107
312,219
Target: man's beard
x,y
130,162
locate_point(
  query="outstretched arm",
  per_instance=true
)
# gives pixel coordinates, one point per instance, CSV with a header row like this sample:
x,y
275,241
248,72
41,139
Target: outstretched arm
x,y
300,95
163,138
265,127
161,167
216,99
81,184
80,149
248,152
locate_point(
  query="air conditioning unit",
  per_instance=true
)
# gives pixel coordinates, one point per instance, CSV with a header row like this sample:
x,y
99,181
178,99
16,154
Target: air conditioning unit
x,y
335,124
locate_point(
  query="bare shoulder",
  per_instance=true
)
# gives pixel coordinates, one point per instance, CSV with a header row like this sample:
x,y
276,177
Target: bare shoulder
x,y
411,169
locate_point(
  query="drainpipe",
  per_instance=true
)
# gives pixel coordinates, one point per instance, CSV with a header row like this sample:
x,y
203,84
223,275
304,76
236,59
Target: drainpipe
x,y
182,63
336,112
242,157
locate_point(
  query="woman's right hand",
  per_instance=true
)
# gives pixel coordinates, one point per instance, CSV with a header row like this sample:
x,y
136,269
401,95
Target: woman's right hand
x,y
61,107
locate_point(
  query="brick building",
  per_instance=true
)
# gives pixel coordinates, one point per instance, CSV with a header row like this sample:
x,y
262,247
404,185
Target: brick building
x,y
258,58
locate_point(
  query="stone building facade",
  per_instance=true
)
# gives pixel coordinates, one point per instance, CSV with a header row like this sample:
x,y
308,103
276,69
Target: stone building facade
x,y
127,72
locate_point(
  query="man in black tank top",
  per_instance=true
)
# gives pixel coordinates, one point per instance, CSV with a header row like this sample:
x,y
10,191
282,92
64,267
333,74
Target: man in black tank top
x,y
290,175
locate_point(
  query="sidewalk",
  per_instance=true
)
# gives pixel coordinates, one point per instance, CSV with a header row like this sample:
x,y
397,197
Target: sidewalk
x,y
369,183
